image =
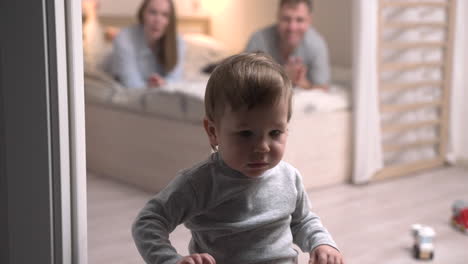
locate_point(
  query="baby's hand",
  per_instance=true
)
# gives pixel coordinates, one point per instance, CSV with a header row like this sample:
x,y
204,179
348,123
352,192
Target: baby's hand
x,y
197,259
325,254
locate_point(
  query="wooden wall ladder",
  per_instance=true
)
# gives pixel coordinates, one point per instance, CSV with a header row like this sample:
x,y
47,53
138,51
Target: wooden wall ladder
x,y
422,19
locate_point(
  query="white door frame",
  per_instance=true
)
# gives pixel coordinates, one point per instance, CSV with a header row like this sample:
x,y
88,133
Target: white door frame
x,y
73,17
42,139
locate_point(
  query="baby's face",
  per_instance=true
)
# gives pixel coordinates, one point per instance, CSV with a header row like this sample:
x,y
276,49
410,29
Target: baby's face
x,y
253,141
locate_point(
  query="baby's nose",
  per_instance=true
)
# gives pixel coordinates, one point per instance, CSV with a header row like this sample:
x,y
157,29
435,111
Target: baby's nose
x,y
261,145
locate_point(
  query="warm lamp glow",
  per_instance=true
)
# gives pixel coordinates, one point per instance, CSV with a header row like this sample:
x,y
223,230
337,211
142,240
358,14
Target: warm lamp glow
x,y
196,5
214,6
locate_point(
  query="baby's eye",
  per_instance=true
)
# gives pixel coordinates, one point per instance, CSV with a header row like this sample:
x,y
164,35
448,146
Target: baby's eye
x,y
245,133
275,133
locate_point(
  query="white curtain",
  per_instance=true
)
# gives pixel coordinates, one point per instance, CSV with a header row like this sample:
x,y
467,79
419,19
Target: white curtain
x,y
458,141
367,136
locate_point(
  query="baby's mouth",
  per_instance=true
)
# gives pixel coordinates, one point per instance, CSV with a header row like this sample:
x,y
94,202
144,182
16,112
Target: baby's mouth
x,y
257,165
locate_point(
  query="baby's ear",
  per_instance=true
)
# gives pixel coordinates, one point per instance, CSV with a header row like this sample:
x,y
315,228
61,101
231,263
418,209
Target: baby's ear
x,y
210,129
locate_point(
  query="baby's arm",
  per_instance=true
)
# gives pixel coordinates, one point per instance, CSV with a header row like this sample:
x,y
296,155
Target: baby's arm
x,y
151,231
160,216
309,233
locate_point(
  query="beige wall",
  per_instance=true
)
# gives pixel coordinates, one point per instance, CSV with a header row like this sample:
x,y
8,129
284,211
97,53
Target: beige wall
x,y
234,20
332,18
118,7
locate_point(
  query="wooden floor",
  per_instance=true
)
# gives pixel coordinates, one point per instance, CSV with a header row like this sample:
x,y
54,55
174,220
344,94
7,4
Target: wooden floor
x,y
370,223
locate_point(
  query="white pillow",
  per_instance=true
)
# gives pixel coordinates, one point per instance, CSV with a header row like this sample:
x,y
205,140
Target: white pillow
x,y
201,50
100,87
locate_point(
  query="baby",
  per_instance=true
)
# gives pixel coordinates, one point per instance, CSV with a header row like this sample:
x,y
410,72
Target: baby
x,y
243,204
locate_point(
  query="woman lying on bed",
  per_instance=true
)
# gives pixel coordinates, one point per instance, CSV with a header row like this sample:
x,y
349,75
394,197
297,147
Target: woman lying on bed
x,y
150,53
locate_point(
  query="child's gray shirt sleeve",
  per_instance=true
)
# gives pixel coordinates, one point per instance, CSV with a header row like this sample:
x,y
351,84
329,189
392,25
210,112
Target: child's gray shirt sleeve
x,y
160,216
306,227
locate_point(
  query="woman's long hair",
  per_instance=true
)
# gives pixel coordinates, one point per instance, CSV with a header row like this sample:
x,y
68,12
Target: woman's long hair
x,y
167,50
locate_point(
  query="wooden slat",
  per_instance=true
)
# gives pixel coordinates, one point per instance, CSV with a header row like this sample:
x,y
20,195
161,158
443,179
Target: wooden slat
x,y
413,45
407,86
412,145
448,80
413,4
444,83
391,128
412,25
387,108
410,66
405,169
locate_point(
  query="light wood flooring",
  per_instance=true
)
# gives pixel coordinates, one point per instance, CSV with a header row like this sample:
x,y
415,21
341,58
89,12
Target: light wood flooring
x,y
371,223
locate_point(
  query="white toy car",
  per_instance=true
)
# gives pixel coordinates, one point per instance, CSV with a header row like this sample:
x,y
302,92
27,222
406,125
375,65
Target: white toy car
x,y
423,247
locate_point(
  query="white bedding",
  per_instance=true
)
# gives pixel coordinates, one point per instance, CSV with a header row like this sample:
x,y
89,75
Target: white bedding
x,y
184,100
304,101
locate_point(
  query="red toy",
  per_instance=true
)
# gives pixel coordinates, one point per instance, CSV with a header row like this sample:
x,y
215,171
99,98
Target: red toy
x,y
460,216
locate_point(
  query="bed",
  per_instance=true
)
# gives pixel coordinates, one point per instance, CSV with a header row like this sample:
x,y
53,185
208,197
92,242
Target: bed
x,y
143,137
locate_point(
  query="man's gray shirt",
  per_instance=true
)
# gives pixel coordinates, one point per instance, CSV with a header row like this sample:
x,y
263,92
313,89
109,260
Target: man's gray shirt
x,y
312,50
234,218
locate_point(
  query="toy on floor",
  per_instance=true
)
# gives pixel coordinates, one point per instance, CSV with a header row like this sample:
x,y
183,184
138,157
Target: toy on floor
x,y
460,215
423,247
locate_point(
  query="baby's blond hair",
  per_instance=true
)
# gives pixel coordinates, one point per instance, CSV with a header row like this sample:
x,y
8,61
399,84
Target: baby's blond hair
x,y
246,80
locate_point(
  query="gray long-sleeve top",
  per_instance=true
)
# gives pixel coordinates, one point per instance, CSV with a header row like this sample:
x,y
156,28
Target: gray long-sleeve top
x,y
234,218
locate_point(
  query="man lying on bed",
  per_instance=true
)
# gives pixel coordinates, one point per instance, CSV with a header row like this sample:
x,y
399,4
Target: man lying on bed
x,y
295,44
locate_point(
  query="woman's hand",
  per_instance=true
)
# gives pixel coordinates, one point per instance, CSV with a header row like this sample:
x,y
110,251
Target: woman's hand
x,y
197,259
325,254
155,80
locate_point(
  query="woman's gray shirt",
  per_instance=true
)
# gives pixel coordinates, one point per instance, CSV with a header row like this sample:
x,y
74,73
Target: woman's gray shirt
x,y
234,218
133,62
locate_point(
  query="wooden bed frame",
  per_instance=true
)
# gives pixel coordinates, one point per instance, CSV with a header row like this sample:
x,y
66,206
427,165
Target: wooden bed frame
x,y
185,24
